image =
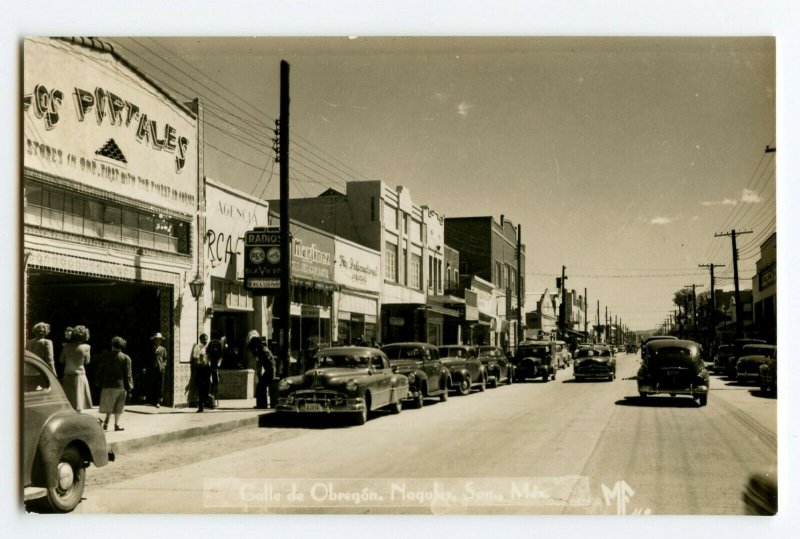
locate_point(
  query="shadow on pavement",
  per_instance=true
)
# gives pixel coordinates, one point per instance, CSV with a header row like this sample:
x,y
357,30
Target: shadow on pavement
x,y
659,401
316,421
761,394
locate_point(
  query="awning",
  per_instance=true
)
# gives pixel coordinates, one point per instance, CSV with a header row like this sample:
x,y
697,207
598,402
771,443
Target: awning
x,y
438,309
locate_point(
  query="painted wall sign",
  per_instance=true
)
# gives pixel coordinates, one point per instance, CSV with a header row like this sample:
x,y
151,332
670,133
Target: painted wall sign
x,y
89,118
357,267
312,254
229,215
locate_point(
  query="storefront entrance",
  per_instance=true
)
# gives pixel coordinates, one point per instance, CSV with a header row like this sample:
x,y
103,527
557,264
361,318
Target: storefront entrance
x,y
107,307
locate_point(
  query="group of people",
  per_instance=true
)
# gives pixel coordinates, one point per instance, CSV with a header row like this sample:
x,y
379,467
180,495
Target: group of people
x,y
114,373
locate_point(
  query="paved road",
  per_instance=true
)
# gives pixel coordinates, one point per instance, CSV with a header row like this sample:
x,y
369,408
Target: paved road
x,y
556,448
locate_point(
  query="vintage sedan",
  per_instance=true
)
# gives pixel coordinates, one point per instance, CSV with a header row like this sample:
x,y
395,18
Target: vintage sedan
x,y
674,367
753,356
768,376
498,368
535,359
59,443
738,351
420,363
349,379
655,338
721,358
466,370
594,362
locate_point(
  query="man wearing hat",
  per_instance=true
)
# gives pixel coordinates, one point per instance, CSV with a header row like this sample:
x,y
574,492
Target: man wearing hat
x,y
159,369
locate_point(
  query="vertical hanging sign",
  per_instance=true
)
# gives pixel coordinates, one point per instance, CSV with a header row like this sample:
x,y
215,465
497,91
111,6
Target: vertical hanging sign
x,y
262,261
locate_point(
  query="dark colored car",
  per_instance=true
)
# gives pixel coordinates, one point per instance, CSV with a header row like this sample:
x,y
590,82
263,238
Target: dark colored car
x,y
760,494
498,368
630,348
58,442
738,349
753,356
594,362
768,376
348,379
466,370
674,367
420,363
721,358
535,359
655,338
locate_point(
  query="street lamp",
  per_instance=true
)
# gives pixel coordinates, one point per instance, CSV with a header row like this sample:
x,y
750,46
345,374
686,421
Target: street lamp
x,y
196,286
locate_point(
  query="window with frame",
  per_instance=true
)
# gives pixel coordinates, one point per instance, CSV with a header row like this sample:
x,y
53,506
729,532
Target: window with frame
x,y
391,262
415,272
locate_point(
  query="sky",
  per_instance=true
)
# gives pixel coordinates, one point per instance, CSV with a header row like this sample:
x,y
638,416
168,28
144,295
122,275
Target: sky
x,y
619,157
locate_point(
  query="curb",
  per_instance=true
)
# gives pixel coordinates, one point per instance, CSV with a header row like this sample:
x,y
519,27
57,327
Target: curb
x,y
124,446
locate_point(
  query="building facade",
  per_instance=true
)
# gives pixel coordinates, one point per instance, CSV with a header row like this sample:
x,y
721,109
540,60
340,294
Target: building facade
x,y
111,194
765,292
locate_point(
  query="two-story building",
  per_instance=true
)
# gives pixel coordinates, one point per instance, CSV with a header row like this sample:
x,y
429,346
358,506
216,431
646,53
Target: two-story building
x,y
765,292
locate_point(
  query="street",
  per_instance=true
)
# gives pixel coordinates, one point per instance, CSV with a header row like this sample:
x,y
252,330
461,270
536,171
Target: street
x,y
587,448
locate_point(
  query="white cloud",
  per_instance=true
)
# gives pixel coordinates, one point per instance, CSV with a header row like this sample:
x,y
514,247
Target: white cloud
x,y
723,202
463,108
750,197
661,221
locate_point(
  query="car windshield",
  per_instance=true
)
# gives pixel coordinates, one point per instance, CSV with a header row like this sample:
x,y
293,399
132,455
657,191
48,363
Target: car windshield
x,y
404,352
345,361
491,352
602,352
758,351
672,356
584,352
533,351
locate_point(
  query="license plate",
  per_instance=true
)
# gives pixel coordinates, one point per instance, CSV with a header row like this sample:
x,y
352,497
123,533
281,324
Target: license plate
x,y
313,407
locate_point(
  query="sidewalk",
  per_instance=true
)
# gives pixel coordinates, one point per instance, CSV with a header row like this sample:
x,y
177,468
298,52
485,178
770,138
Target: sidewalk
x,y
147,425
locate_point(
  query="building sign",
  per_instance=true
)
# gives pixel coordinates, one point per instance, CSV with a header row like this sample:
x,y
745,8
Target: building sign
x,y
357,267
312,254
89,118
262,261
766,278
229,215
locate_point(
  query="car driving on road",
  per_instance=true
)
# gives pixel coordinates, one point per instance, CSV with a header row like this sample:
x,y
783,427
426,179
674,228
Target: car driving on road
x,y
674,367
535,359
594,362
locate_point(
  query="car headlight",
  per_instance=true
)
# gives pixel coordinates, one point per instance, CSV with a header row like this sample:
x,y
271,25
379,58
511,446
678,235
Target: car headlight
x,y
351,385
411,378
284,385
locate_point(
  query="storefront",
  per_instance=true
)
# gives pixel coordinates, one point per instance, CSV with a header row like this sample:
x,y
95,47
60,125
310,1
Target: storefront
x,y
357,274
233,312
110,183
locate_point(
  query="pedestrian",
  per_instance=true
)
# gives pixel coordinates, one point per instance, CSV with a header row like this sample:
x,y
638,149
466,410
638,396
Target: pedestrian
x,y
115,374
201,372
266,397
214,351
159,365
76,355
67,339
41,345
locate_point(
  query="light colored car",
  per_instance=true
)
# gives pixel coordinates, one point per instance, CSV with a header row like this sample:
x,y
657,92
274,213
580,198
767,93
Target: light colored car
x,y
58,442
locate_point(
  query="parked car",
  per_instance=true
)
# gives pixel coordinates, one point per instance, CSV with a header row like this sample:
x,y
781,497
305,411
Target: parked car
x,y
768,376
562,355
675,367
420,363
593,362
753,356
738,348
347,379
466,370
59,443
655,338
721,357
498,368
535,359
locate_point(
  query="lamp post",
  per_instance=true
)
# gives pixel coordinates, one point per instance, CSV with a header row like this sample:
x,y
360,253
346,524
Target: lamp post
x,y
196,287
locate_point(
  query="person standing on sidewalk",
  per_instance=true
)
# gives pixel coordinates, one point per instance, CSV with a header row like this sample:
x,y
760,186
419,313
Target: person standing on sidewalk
x,y
115,375
214,351
76,355
159,362
266,397
201,371
41,345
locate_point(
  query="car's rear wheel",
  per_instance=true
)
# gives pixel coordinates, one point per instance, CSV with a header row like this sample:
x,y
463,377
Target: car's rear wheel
x,y
464,385
546,377
396,407
71,480
419,400
703,400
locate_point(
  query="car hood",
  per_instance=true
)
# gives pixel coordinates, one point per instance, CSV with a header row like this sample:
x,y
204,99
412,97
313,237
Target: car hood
x,y
754,359
327,377
404,364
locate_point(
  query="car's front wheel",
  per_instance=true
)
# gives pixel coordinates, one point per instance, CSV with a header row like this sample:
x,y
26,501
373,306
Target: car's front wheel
x,y
71,480
482,383
363,414
464,385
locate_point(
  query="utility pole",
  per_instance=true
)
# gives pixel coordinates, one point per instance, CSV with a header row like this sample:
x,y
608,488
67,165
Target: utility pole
x,y
563,312
598,318
739,311
519,285
286,238
713,298
586,313
606,326
694,305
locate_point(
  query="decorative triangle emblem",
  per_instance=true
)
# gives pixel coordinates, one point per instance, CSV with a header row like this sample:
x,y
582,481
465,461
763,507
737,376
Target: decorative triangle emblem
x,y
112,151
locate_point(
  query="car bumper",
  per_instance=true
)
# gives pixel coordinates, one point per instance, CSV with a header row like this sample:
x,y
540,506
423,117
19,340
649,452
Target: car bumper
x,y
655,389
747,376
316,404
594,374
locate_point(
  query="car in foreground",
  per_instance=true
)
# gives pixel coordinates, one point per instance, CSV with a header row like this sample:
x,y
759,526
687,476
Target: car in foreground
x,y
674,367
345,380
420,363
59,443
594,362
466,370
535,359
760,494
753,356
498,368
768,376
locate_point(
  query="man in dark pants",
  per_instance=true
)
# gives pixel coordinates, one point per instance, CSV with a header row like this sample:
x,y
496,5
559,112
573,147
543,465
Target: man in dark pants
x,y
214,351
159,369
201,372
266,374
